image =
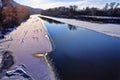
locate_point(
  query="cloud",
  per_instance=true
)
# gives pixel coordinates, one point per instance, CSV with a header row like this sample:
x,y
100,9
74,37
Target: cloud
x,y
80,3
56,3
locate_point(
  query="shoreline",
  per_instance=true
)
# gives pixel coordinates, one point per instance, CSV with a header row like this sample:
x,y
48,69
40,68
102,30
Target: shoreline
x,y
29,39
107,29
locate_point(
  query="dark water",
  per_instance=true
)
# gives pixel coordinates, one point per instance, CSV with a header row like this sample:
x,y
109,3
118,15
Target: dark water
x,y
82,54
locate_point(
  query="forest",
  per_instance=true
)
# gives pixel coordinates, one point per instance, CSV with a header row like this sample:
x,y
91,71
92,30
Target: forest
x,y
110,9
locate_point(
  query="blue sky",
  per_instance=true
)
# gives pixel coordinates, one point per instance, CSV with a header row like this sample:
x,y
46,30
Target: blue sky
x,y
56,3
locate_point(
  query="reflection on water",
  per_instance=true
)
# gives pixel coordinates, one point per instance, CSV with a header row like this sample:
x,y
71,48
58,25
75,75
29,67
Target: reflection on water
x,y
83,54
51,20
71,27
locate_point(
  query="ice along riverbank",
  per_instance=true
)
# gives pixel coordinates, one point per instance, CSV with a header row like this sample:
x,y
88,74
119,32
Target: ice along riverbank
x,y
29,44
82,54
107,29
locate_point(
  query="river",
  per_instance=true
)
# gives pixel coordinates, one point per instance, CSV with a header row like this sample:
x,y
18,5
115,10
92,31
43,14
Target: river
x,y
81,54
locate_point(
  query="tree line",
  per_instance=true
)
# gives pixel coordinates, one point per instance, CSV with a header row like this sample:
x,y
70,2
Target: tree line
x,y
110,9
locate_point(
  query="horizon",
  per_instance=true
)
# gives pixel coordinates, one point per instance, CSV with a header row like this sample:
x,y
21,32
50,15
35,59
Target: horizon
x,y
52,3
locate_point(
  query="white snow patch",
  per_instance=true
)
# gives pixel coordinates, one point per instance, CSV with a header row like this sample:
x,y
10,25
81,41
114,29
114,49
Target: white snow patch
x,y
27,39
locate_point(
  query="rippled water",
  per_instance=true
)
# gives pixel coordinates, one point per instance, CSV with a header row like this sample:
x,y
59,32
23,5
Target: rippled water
x,y
82,54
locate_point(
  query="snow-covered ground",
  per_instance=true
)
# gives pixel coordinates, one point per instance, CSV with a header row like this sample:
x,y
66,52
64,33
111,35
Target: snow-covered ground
x,y
29,44
108,29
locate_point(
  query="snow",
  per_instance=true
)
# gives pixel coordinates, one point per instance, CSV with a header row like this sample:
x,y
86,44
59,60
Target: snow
x,y
107,29
26,40
7,38
18,73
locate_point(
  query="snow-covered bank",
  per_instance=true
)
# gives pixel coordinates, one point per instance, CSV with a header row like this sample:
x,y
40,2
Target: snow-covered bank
x,y
26,40
108,29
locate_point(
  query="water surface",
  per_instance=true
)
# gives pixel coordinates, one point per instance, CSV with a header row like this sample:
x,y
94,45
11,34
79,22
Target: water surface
x,y
81,54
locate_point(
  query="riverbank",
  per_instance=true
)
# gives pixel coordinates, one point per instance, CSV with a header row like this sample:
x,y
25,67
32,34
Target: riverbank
x,y
107,29
29,43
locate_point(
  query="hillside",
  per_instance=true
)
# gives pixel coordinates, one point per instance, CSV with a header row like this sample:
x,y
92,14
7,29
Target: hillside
x,y
13,13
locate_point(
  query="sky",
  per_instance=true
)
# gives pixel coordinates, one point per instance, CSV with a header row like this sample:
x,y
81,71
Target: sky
x,y
45,4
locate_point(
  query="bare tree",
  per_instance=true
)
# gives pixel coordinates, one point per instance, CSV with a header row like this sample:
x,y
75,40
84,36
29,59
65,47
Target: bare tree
x,y
106,7
112,5
117,5
73,7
